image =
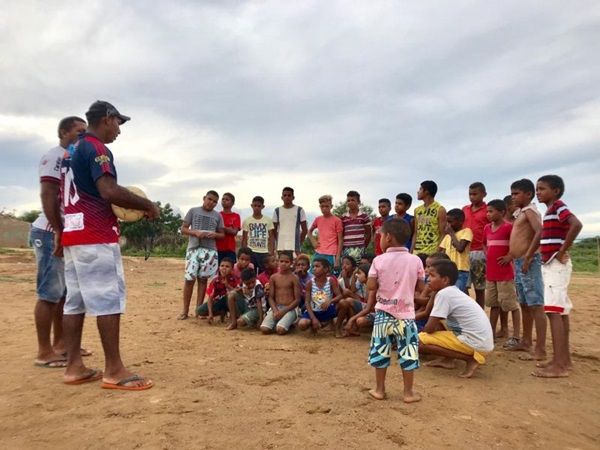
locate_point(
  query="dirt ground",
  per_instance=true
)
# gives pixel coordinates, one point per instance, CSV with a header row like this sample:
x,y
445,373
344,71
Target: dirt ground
x,y
219,389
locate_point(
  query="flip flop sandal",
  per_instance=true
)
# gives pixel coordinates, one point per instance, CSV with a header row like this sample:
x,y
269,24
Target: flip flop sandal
x,y
122,384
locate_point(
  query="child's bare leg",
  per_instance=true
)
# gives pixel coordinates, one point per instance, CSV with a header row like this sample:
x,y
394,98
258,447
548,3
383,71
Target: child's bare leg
x,y
558,366
265,330
539,318
494,315
480,297
241,323
471,366
304,324
527,339
188,289
201,291
343,313
567,327
503,325
379,392
516,320
443,362
232,312
408,376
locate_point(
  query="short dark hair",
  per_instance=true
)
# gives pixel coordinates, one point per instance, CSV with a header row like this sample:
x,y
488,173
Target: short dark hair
x,y
439,255
211,192
398,228
244,251
353,194
524,185
322,260
248,274
497,204
351,259
369,257
456,214
287,189
430,186
406,198
365,268
447,269
286,254
228,260
477,185
68,123
386,201
258,199
555,182
230,195
507,200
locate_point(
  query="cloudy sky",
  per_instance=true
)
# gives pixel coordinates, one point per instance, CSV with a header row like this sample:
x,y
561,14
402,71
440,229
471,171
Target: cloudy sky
x,y
324,96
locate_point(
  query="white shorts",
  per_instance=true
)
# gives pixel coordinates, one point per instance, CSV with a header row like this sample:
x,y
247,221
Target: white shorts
x,y
95,280
557,277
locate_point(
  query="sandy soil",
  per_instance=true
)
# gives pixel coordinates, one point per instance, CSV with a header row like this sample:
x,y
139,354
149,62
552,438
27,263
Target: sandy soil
x,y
217,389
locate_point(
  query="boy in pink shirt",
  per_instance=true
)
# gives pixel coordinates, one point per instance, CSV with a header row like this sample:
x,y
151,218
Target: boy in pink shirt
x,y
393,278
329,242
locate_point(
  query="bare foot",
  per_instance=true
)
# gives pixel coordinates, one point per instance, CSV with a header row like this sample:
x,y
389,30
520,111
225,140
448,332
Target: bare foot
x,y
470,369
411,397
502,334
377,395
549,364
232,326
532,357
550,372
444,363
341,335
182,316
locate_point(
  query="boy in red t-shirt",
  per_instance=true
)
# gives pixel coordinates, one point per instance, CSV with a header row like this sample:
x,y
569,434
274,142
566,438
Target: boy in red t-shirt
x,y
501,295
231,227
560,228
385,206
217,291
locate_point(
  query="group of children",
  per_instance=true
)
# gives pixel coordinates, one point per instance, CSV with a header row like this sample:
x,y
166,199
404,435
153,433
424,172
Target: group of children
x,y
413,293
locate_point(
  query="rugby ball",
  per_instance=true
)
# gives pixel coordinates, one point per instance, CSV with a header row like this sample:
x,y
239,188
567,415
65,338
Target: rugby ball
x,y
126,214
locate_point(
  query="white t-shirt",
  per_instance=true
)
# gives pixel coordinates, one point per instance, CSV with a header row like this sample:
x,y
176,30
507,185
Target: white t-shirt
x,y
49,171
465,318
288,235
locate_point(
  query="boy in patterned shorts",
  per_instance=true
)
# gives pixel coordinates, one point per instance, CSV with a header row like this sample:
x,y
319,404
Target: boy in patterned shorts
x,y
393,278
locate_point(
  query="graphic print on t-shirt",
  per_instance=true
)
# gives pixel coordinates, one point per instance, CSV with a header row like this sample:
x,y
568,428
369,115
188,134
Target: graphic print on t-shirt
x,y
258,235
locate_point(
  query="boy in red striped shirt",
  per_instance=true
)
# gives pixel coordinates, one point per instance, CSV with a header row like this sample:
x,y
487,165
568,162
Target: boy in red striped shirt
x,y
560,228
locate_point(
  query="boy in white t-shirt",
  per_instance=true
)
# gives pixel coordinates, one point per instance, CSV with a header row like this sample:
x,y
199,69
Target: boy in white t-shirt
x,y
466,334
289,221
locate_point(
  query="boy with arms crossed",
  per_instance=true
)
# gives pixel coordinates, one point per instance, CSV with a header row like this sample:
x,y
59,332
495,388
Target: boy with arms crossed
x,y
430,221
523,246
231,227
357,228
330,228
393,279
258,234
467,334
289,221
560,229
247,300
500,296
476,219
284,298
203,225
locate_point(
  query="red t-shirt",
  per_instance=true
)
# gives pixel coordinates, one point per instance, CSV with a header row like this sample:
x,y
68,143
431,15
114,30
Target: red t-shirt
x,y
230,220
476,221
377,224
217,288
556,227
497,243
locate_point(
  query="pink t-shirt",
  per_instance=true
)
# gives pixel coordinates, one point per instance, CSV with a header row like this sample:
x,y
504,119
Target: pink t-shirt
x,y
397,272
328,227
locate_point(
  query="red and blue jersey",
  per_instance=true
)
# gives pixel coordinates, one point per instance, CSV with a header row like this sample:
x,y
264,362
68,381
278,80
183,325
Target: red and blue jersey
x,y
555,229
88,217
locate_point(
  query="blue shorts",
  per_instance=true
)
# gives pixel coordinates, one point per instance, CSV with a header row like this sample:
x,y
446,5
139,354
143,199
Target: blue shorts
x,y
50,285
322,316
421,324
463,280
530,285
387,328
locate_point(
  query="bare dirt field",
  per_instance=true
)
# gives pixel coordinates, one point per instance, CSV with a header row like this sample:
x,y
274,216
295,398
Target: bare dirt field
x,y
221,389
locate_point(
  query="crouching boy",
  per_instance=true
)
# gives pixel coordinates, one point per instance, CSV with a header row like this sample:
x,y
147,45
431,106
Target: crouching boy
x,y
247,301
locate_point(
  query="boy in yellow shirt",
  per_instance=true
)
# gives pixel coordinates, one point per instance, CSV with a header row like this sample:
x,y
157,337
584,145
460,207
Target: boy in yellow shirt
x,y
456,244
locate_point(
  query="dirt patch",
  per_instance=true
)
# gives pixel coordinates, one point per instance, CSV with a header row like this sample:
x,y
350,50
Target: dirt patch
x,y
13,232
220,389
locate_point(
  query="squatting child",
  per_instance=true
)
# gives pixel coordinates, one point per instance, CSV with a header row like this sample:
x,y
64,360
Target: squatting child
x,y
218,289
246,303
393,278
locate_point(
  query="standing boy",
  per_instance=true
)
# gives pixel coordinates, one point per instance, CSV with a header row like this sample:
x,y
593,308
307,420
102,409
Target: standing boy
x,y
476,220
401,207
523,246
329,243
50,284
560,229
500,296
289,221
456,245
204,226
284,298
258,234
466,335
357,228
430,221
393,278
385,207
231,227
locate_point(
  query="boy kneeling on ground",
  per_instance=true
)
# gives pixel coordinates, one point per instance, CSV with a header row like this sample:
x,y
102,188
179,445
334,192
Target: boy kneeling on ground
x,y
466,334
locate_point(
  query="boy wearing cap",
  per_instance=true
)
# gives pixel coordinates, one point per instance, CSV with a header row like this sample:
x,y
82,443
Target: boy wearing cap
x,y
93,266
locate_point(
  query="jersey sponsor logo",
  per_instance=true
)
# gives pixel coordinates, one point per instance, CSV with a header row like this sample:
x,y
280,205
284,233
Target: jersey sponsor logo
x,y
102,159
